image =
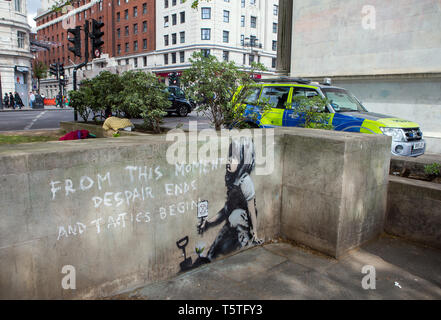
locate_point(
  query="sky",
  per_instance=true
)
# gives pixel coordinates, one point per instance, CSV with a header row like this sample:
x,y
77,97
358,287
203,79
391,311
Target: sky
x,y
32,5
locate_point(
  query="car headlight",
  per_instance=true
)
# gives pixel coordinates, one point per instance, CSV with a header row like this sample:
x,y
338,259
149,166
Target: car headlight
x,y
396,134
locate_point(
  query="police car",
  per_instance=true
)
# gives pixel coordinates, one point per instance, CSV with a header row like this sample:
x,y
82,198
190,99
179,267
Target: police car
x,y
346,113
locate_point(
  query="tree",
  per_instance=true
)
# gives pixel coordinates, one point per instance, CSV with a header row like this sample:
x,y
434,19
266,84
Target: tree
x,y
312,112
39,69
213,85
83,99
143,94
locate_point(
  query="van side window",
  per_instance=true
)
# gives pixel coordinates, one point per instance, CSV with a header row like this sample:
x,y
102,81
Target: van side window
x,y
277,96
252,95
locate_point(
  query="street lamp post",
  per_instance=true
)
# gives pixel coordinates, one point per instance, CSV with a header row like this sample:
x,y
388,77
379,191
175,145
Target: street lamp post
x,y
252,42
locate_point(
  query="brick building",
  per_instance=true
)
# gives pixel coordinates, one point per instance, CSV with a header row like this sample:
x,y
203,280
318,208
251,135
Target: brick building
x,y
129,28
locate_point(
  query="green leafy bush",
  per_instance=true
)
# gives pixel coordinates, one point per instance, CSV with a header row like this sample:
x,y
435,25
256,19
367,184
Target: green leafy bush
x,y
433,169
312,110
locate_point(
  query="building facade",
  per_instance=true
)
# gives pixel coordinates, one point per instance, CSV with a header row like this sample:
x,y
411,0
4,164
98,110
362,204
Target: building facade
x,y
129,29
15,56
242,31
388,53
136,33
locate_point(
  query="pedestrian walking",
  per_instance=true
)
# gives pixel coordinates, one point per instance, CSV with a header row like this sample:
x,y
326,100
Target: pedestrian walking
x,y
31,99
18,102
11,100
6,101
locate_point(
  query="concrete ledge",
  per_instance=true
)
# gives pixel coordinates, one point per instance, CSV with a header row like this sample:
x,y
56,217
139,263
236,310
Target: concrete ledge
x,y
414,210
95,129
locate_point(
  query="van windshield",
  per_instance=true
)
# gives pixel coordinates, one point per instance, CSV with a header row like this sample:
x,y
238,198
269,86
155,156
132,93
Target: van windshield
x,y
342,100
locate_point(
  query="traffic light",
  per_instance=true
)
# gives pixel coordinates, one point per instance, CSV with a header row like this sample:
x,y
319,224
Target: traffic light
x,y
76,40
62,77
53,69
96,38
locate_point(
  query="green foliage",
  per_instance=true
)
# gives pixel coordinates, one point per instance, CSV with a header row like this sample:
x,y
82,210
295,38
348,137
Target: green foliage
x,y
312,110
212,85
39,70
433,169
82,99
131,94
143,94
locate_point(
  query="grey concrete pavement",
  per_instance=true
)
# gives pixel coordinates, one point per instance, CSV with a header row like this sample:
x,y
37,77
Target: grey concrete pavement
x,y
283,271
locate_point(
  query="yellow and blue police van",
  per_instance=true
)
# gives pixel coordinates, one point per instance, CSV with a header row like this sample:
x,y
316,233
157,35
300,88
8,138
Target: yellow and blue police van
x,y
346,113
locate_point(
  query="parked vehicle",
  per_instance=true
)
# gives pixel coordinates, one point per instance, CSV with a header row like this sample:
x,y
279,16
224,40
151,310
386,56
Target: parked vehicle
x,y
180,104
346,113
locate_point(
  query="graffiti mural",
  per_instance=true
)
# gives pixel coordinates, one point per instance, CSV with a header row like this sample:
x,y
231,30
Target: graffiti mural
x,y
238,216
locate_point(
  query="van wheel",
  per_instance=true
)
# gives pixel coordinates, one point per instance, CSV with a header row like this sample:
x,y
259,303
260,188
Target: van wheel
x,y
182,111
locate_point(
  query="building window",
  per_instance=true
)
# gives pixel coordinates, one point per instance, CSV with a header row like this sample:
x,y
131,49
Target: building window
x,y
118,49
135,28
182,14
251,58
135,62
242,3
166,58
135,11
244,58
242,40
173,2
273,62
144,60
126,28
100,6
242,21
165,3
182,56
118,33
144,43
205,34
276,10
118,17
226,16
166,22
144,8
225,55
135,45
252,2
226,36
274,27
166,40
274,45
127,62
206,13
21,39
173,57
253,22
17,5
173,38
182,36
127,47
126,14
174,19
205,52
144,26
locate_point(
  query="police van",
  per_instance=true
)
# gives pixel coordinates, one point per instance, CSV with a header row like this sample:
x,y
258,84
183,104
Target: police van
x,y
346,113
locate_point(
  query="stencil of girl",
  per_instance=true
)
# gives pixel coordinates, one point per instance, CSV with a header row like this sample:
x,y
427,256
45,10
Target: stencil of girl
x,y
239,211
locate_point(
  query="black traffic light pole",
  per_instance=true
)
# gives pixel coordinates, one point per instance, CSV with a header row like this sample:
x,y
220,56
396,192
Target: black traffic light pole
x,y
86,59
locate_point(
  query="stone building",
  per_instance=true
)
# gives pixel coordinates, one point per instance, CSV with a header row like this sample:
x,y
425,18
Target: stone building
x,y
15,56
388,53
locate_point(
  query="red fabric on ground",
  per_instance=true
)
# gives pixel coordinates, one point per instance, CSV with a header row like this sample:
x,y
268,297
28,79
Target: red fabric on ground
x,y
75,135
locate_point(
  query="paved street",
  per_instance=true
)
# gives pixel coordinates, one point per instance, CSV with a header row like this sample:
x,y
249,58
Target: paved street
x,y
50,118
281,271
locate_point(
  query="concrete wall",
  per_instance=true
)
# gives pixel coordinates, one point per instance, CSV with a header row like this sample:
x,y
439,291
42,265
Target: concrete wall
x,y
334,189
414,99
356,37
120,227
414,210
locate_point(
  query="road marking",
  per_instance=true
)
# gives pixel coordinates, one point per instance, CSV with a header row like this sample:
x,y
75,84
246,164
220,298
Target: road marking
x,y
33,121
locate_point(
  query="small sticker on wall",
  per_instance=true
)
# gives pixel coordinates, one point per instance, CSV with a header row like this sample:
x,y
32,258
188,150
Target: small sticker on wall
x,y
203,209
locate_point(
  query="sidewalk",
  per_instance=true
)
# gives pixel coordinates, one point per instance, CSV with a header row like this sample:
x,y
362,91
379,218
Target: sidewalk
x,y
30,109
280,271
